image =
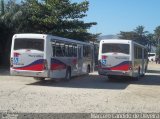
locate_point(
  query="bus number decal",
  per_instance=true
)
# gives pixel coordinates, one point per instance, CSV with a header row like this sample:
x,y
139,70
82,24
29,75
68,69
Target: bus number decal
x,y
16,58
104,61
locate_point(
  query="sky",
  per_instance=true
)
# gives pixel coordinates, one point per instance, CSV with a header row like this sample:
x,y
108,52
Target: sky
x,y
113,16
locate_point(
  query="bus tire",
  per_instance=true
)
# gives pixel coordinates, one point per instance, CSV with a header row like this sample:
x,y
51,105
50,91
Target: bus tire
x,y
143,75
88,69
138,76
39,78
68,74
111,78
145,69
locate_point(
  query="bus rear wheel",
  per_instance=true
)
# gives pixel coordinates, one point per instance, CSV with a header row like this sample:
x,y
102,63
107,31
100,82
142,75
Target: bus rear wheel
x,y
39,78
138,76
88,69
111,77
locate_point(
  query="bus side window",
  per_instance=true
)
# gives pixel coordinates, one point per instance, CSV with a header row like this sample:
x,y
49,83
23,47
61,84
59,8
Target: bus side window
x,y
139,53
59,49
74,50
79,52
63,49
84,51
70,50
89,52
66,50
145,54
53,48
135,52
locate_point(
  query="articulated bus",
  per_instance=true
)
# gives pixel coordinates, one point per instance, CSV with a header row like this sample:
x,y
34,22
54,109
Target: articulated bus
x,y
45,56
118,57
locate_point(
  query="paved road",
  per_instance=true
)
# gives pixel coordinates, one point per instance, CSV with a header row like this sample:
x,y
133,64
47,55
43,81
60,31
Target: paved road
x,y
82,94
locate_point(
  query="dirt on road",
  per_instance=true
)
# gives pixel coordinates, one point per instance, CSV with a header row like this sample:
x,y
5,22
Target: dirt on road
x,y
84,94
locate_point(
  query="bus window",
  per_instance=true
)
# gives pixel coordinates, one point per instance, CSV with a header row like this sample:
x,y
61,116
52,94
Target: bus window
x,y
145,54
70,50
66,50
53,48
137,52
86,51
59,49
79,52
120,48
75,50
32,44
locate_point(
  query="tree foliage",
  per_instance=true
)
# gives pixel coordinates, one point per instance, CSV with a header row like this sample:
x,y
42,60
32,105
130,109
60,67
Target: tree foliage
x,y
158,51
141,36
157,32
157,36
2,7
57,17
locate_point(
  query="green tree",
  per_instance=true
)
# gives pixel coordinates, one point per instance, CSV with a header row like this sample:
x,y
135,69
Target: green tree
x,y
130,35
140,31
141,35
2,7
56,17
138,35
158,51
7,28
150,41
157,34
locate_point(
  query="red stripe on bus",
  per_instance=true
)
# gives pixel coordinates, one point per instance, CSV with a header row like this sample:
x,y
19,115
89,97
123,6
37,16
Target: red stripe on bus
x,y
58,66
124,67
37,67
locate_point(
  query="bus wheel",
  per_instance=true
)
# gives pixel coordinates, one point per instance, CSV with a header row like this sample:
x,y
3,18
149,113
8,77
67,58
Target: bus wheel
x,y
39,78
111,78
88,69
68,74
146,69
138,76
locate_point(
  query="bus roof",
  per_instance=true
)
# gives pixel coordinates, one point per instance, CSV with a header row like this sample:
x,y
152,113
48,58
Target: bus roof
x,y
151,53
34,35
120,41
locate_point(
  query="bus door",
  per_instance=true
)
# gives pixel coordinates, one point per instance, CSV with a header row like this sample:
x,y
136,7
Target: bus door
x,y
80,58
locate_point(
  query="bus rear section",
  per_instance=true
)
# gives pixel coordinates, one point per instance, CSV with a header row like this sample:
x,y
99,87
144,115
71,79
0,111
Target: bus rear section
x,y
114,58
27,56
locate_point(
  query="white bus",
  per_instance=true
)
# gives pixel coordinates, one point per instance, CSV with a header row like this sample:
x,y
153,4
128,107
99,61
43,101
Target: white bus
x,y
44,56
119,57
152,57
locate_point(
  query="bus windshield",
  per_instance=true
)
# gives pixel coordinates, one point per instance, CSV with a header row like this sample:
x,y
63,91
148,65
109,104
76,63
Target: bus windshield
x,y
112,47
27,43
